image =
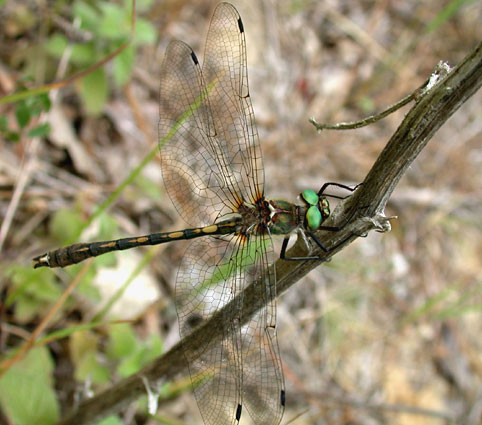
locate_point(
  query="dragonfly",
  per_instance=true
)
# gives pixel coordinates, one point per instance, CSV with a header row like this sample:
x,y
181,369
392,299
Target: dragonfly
x,y
212,168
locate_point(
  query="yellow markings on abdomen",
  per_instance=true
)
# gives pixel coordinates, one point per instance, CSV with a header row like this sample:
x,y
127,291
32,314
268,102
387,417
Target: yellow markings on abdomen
x,y
210,229
108,245
82,249
175,235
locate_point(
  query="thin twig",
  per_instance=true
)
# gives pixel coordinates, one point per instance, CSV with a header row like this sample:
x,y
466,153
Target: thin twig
x,y
368,120
440,71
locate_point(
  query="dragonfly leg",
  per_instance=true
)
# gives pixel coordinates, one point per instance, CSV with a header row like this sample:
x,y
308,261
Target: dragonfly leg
x,y
342,186
308,246
283,256
324,248
321,192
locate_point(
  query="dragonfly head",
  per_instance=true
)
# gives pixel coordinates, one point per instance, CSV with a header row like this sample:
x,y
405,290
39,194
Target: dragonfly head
x,y
317,209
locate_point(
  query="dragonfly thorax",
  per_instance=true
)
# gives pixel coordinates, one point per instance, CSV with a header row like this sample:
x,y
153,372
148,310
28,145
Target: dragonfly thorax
x,y
286,216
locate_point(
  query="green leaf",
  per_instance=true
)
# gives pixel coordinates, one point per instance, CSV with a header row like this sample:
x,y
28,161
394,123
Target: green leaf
x,y
40,130
13,136
145,32
44,101
41,285
132,353
85,287
66,225
122,341
26,393
110,420
38,104
56,45
146,351
26,309
107,226
83,54
88,15
90,368
3,123
33,290
154,348
130,365
133,363
123,64
22,114
113,25
84,353
94,90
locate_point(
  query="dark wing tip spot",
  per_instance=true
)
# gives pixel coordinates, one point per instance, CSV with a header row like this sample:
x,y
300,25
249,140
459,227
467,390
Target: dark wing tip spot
x,y
240,25
194,58
238,412
283,397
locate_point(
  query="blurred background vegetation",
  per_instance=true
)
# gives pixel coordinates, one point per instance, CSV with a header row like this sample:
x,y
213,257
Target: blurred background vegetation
x,y
388,332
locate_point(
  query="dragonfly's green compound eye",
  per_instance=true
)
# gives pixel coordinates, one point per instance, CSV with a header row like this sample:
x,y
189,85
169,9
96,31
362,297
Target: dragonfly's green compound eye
x,y
313,217
310,196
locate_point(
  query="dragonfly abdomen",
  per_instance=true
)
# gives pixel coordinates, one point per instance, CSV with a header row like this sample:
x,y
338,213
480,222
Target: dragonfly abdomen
x,y
78,252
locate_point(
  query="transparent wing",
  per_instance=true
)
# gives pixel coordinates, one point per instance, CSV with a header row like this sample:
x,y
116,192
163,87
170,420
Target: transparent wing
x,y
210,152
225,63
190,158
245,368
209,278
263,383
